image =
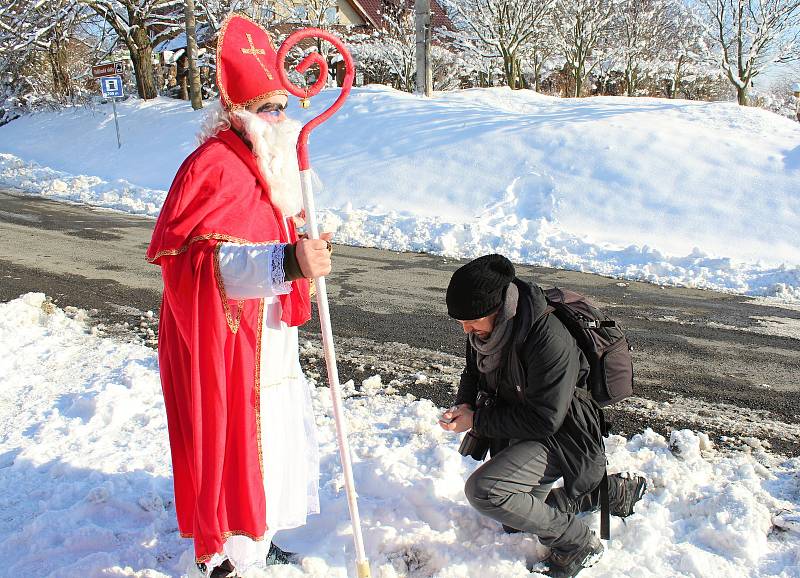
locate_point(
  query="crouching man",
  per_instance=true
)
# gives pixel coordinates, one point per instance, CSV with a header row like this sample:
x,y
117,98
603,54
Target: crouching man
x,y
522,397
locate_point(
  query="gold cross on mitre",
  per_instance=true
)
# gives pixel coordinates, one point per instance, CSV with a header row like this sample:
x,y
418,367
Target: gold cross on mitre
x,y
255,52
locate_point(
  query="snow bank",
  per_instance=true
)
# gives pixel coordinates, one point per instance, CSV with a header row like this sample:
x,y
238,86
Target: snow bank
x,y
669,191
86,490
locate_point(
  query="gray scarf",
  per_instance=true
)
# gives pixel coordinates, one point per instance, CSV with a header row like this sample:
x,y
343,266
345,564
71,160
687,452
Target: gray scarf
x,y
489,353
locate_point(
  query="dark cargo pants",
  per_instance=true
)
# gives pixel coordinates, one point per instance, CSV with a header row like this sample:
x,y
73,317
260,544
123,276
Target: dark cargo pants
x,y
512,488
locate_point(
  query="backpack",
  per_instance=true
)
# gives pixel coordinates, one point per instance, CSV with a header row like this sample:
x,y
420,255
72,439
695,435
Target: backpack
x,y
602,342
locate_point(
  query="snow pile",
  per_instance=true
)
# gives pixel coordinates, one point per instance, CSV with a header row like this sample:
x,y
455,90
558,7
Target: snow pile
x,y
85,484
674,192
58,185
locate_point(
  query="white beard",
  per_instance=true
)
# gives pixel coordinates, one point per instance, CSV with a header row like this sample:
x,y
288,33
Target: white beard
x,y
274,145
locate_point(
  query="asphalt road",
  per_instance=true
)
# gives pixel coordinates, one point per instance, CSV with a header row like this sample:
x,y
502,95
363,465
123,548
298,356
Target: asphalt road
x,y
723,364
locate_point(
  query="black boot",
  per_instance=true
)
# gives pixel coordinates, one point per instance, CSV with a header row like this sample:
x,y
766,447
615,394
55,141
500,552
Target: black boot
x,y
277,556
224,570
567,563
628,491
624,492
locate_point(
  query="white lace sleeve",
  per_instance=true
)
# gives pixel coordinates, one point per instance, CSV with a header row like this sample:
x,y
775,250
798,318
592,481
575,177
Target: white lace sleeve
x,y
253,271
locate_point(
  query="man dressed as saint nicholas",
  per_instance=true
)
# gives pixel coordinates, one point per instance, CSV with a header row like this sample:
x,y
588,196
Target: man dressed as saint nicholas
x,y
235,271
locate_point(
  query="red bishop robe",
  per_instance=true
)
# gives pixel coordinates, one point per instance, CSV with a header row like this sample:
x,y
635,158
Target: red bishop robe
x,y
209,346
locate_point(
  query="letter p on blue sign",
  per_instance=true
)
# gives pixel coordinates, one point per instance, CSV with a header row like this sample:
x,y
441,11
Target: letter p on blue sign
x,y
111,86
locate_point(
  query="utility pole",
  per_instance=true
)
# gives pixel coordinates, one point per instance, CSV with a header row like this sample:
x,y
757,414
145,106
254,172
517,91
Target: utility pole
x,y
422,10
195,90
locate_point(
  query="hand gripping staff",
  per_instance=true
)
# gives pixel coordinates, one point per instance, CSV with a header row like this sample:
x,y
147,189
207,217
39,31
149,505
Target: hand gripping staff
x,y
362,564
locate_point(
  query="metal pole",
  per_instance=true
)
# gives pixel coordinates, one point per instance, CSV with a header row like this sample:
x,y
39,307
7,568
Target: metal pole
x,y
116,123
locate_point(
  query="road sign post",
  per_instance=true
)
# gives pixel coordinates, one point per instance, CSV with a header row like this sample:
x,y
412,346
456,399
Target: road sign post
x,y
111,87
116,122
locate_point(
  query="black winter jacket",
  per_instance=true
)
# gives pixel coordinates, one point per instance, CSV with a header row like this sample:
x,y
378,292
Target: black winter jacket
x,y
541,394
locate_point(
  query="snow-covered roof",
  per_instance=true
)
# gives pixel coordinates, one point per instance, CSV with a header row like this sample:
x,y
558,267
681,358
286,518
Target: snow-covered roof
x,y
204,34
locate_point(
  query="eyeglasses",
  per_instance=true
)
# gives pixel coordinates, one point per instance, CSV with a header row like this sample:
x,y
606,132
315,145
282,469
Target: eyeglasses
x,y
271,107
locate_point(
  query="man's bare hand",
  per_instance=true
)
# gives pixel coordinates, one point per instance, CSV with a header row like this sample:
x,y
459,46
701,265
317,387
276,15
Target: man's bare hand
x,y
461,416
314,257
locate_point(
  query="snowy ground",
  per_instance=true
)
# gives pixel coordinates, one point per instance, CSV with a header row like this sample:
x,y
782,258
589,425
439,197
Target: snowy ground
x,y
85,486
675,192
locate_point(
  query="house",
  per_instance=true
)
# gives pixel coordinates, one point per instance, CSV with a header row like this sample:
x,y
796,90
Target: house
x,y
344,13
282,18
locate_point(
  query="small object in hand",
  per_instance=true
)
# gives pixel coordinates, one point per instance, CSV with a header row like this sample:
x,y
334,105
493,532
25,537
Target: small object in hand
x,y
448,419
329,247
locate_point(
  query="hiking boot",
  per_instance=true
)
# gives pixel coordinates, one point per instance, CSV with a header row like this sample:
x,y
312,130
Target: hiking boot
x,y
566,564
224,570
629,490
277,556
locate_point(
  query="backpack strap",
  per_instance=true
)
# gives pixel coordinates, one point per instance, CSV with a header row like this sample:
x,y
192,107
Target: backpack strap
x,y
605,506
547,311
605,509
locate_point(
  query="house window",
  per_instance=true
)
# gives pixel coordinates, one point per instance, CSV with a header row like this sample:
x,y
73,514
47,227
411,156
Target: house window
x,y
300,12
267,14
331,15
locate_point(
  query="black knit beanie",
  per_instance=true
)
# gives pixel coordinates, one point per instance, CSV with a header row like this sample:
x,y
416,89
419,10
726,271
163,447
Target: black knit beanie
x,y
477,288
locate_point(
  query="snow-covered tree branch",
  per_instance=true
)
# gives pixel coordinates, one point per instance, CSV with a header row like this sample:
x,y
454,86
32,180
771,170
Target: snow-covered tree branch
x,y
46,33
500,29
580,26
140,25
751,35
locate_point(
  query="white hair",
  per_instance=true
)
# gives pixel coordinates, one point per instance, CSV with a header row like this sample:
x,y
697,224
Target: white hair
x,y
216,119
273,144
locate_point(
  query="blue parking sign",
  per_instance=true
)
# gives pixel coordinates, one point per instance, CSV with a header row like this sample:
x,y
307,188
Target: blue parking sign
x,y
111,86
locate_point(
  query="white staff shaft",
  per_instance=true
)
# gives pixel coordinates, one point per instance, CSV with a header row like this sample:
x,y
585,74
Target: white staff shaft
x,y
333,380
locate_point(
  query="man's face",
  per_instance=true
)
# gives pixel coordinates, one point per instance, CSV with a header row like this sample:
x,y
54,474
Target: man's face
x,y
270,108
481,327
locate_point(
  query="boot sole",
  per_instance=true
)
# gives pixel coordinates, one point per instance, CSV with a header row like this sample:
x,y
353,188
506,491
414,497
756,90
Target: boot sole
x,y
593,558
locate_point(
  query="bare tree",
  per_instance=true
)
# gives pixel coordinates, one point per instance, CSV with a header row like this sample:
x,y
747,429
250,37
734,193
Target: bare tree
x,y
400,38
195,89
213,12
323,14
580,25
643,32
751,35
388,54
500,29
140,25
539,52
685,55
47,28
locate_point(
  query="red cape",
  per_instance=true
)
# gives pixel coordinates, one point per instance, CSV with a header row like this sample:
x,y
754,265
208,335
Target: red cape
x,y
209,346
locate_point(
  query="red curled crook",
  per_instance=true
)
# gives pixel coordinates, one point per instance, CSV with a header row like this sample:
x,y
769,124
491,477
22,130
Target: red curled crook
x,y
309,61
